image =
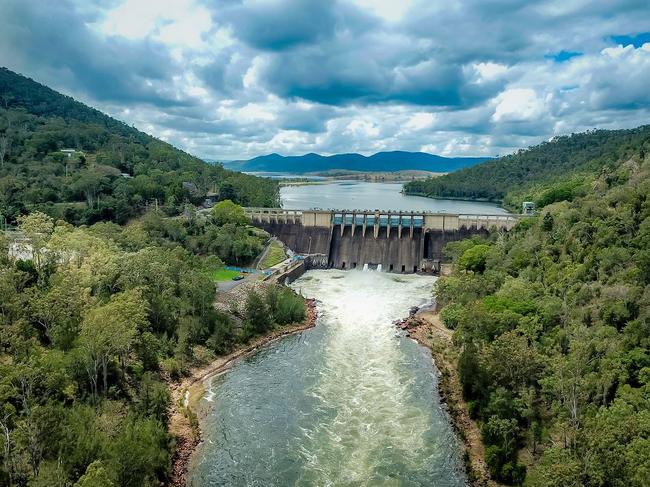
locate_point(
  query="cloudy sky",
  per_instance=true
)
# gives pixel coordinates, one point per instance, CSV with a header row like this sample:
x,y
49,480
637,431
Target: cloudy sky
x,y
230,79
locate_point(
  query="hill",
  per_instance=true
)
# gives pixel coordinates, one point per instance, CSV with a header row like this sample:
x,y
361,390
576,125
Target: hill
x,y
71,161
552,323
381,161
529,173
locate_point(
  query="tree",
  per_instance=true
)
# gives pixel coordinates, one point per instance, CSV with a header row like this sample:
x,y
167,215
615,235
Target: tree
x,y
38,228
5,146
108,331
153,398
226,212
257,316
6,437
474,258
140,453
60,309
547,222
96,476
511,362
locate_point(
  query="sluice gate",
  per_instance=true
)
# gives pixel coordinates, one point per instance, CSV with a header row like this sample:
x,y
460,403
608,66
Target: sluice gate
x,y
402,242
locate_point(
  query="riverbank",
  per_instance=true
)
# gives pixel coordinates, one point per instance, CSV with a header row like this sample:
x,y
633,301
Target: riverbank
x,y
426,328
185,395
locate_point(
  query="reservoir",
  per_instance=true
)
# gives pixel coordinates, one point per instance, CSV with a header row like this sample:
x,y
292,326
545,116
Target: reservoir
x,y
357,195
351,402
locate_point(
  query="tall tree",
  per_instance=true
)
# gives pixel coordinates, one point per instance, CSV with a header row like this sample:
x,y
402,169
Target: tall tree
x,y
109,331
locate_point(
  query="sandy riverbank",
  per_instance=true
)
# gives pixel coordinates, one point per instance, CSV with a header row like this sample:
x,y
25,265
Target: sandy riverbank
x,y
427,328
183,421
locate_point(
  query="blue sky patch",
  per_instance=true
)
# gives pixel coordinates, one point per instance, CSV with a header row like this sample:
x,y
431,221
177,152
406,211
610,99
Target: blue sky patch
x,y
636,40
560,57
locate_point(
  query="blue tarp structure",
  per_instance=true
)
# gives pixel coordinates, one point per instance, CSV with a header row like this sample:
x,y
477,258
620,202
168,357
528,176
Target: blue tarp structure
x,y
241,269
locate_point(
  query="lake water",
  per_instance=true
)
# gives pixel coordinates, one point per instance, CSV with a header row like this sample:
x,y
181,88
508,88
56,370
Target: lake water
x,y
351,402
354,195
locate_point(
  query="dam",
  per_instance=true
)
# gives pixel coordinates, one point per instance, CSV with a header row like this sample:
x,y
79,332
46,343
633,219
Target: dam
x,y
393,241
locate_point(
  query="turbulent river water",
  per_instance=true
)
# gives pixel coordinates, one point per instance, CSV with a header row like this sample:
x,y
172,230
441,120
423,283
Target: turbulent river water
x,y
351,402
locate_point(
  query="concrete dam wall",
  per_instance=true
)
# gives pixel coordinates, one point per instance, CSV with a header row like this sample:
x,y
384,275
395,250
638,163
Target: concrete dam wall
x,y
299,238
398,242
421,252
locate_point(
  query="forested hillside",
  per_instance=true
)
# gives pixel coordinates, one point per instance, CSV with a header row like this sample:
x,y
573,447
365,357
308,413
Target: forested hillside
x,y
115,171
527,174
97,319
552,322
94,327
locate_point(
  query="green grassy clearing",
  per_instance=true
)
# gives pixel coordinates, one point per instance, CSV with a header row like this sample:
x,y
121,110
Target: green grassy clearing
x,y
222,274
274,256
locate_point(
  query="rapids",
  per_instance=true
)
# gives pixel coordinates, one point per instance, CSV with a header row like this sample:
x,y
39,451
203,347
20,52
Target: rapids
x,y
351,402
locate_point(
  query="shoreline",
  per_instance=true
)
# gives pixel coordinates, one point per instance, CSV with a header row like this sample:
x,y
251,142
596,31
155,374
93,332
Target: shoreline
x,y
183,421
425,327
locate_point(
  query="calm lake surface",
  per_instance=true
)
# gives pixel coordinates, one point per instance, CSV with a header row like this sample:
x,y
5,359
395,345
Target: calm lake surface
x,y
351,402
353,195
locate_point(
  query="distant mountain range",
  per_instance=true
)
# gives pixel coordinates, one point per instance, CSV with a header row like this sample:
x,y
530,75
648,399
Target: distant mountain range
x,y
380,162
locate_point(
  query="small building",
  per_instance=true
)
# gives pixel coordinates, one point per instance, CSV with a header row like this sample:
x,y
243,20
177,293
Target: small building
x,y
72,152
528,208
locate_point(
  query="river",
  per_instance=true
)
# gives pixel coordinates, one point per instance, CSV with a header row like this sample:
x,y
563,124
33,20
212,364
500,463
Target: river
x,y
351,195
351,402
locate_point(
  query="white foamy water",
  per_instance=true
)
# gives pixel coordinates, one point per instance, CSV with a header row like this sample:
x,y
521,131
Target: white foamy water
x,y
351,402
362,379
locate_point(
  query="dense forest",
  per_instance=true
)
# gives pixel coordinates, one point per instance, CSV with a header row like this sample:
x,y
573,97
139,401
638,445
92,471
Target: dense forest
x,y
525,175
105,289
93,327
552,322
109,171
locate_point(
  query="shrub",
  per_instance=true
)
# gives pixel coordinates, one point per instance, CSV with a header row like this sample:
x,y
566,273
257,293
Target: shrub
x,y
172,367
285,305
451,315
257,315
474,258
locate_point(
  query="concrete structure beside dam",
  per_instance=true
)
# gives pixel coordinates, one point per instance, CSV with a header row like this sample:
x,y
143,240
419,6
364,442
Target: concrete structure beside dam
x,y
402,242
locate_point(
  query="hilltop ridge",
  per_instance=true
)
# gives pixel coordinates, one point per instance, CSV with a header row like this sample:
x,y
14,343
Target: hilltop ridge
x,y
528,173
74,162
381,161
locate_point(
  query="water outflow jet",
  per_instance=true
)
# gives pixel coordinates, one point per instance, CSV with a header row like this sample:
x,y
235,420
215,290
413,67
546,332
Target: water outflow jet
x,y
350,402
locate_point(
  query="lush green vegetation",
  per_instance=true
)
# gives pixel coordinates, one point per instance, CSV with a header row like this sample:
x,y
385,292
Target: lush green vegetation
x,y
201,233
106,312
270,307
527,174
116,171
553,324
92,328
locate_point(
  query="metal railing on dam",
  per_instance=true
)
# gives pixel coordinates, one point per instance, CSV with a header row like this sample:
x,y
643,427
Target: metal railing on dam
x,y
382,219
